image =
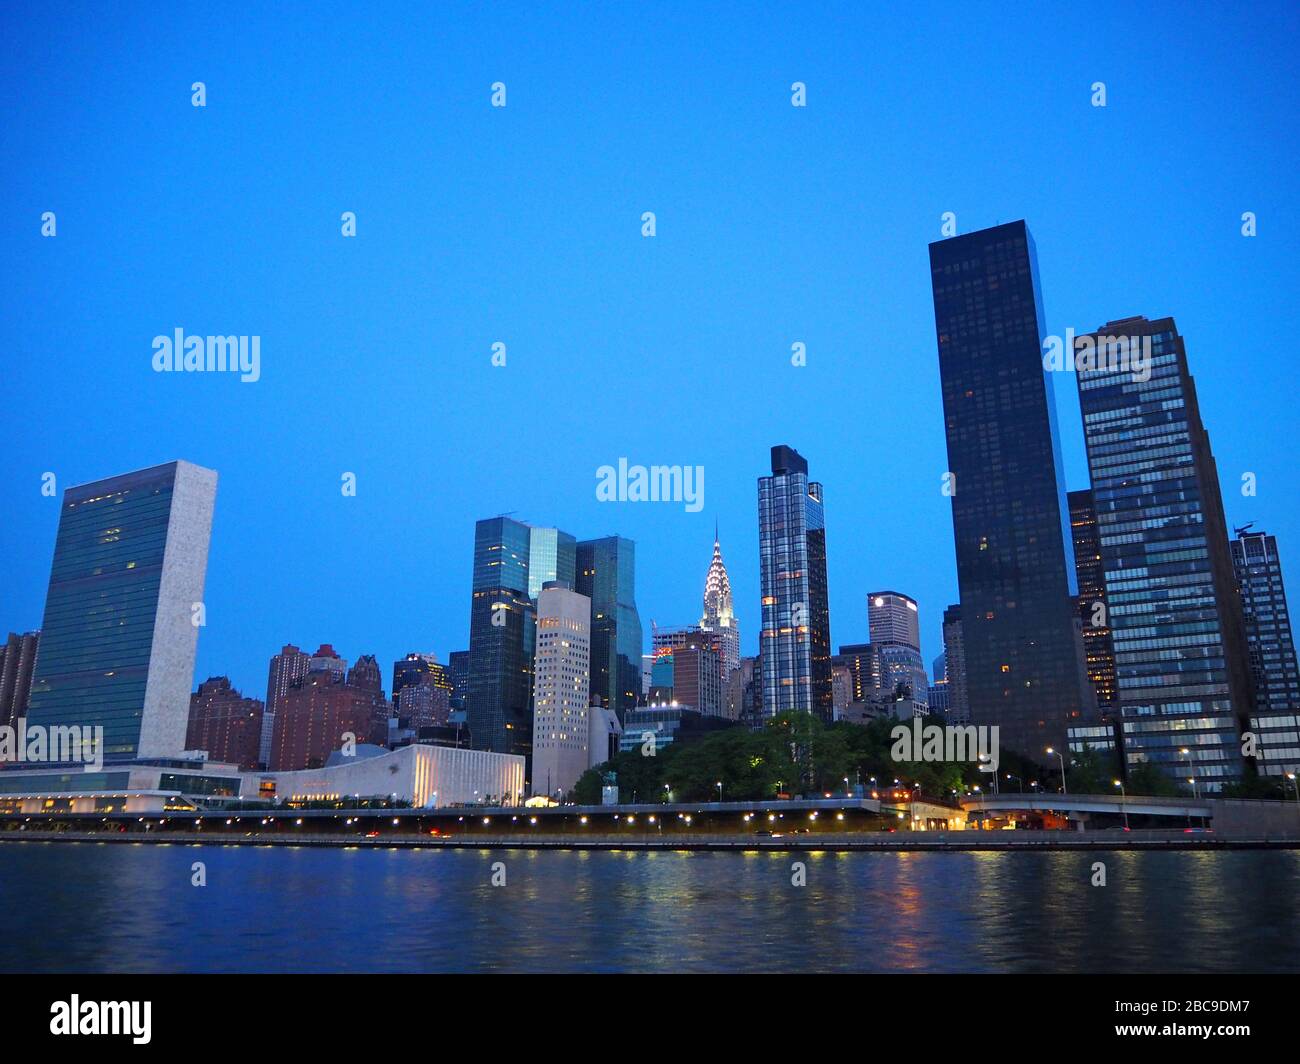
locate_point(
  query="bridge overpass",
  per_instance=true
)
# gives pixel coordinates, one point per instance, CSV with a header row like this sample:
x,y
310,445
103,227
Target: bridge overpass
x,y
1079,808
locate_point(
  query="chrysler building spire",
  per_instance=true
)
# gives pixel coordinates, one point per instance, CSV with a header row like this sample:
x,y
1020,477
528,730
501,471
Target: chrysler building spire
x,y
719,614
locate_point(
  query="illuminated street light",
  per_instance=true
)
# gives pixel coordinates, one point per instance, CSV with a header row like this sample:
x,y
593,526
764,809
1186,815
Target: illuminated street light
x,y
1122,799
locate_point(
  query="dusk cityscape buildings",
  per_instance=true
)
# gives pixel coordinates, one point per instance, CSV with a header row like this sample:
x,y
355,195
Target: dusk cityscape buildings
x,y
1182,670
795,642
120,628
1023,647
1117,616
1272,651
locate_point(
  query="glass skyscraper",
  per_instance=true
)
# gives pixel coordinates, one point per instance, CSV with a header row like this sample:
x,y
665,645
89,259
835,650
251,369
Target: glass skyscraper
x,y
1272,651
795,641
498,703
606,574
119,634
1091,576
1180,658
1015,573
552,558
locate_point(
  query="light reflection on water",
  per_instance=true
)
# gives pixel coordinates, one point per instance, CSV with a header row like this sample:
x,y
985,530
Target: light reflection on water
x,y
102,907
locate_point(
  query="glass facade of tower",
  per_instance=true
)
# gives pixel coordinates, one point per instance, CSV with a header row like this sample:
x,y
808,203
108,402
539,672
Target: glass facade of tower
x,y
606,574
795,642
552,558
108,628
1272,651
498,703
1024,658
1180,659
1088,568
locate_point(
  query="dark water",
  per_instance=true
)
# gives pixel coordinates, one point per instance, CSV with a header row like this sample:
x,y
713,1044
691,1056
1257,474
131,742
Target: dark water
x,y
114,907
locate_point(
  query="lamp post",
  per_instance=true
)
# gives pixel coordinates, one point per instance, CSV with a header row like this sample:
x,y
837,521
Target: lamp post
x,y
1122,799
719,792
1291,777
1018,780
1061,756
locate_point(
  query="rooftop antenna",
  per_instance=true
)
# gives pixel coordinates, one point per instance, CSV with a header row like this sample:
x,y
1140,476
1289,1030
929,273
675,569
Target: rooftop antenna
x,y
1244,528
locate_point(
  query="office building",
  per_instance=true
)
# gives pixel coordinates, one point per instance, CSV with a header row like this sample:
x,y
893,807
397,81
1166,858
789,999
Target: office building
x,y
1098,652
794,644
719,612
121,615
225,725
1271,648
1023,656
895,630
562,686
17,657
954,667
1181,666
606,574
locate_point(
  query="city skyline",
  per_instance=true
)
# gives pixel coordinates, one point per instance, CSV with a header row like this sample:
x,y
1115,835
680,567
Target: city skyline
x,y
375,354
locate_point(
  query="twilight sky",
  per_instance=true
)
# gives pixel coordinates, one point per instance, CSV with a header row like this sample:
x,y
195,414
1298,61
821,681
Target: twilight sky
x,y
522,225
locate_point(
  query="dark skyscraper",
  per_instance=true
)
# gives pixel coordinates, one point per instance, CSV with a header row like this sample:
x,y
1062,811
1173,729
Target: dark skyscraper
x,y
1088,569
795,641
498,706
17,657
121,615
1024,667
458,675
1271,649
1180,656
954,666
606,574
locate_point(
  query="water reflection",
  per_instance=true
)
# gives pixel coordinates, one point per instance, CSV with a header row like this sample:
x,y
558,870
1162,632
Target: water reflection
x,y
100,907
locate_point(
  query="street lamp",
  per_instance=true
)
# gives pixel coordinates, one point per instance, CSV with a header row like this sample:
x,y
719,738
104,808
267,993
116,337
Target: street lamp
x,y
719,792
1291,777
1122,800
1060,755
1018,780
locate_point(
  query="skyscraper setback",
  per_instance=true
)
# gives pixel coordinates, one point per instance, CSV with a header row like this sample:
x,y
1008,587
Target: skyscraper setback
x,y
120,630
1015,573
795,641
1182,672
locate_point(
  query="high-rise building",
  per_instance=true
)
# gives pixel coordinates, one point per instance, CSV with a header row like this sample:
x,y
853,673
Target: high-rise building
x,y
17,657
689,673
561,702
1097,649
121,615
498,704
863,663
225,724
606,574
719,613
1024,661
1181,666
895,629
795,642
366,676
1271,649
458,675
552,558
287,669
423,704
420,669
322,714
893,619
954,667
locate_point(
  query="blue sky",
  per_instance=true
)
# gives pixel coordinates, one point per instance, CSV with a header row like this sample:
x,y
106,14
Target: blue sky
x,y
521,224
